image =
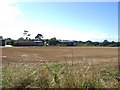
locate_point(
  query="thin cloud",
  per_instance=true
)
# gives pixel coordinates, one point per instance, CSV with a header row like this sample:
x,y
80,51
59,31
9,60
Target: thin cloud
x,y
13,24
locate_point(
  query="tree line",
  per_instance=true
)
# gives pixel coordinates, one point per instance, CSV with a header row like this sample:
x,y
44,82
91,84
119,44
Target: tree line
x,y
55,42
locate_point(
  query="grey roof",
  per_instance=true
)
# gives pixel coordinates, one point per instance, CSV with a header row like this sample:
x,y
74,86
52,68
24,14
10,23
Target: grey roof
x,y
66,41
38,41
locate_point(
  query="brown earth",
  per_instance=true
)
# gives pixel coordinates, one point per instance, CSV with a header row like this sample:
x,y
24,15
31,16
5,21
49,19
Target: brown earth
x,y
76,55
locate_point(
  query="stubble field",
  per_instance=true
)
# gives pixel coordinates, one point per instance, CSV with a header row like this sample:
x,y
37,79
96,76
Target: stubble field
x,y
60,67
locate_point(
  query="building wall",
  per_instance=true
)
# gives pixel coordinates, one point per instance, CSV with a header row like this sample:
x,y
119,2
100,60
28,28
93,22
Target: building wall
x,y
2,42
67,43
29,43
39,43
24,43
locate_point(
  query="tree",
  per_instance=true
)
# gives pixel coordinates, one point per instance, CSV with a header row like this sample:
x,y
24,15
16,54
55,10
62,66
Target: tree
x,y
53,41
88,43
10,41
105,43
39,36
80,43
21,39
13,42
118,44
95,43
113,44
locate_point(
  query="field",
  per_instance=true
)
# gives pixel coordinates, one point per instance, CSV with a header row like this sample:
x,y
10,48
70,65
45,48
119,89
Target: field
x,y
60,67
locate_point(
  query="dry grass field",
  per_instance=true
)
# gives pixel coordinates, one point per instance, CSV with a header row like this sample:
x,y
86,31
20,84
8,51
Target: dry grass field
x,y
60,67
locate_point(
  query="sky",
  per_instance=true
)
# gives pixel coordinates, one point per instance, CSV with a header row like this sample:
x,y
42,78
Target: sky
x,y
95,21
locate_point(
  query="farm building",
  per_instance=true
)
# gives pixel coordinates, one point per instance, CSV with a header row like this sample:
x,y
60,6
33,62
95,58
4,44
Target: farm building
x,y
2,42
29,43
67,43
39,43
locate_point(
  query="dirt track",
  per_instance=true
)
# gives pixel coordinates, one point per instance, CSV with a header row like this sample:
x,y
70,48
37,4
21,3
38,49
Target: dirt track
x,y
94,55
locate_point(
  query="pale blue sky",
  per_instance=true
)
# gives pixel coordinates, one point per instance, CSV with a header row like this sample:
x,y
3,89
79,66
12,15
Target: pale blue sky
x,y
94,21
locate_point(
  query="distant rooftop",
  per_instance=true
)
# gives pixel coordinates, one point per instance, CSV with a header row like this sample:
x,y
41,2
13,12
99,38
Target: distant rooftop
x,y
66,41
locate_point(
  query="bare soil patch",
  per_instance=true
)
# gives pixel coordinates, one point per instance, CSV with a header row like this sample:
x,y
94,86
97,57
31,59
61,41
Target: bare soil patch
x,y
60,54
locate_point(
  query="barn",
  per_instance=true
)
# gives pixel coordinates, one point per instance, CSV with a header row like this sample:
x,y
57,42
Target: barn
x,y
24,43
39,43
29,43
67,43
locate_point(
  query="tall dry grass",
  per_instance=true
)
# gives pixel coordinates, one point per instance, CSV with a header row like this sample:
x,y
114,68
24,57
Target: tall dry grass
x,y
83,73
58,76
